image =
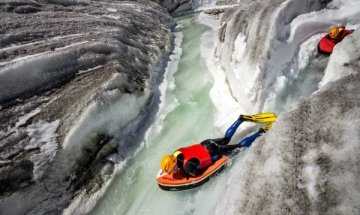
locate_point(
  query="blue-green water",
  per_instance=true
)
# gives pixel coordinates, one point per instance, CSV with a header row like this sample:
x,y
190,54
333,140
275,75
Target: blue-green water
x,y
186,117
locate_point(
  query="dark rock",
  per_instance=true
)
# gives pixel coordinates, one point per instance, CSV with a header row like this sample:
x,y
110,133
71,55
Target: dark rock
x,y
215,11
26,9
16,176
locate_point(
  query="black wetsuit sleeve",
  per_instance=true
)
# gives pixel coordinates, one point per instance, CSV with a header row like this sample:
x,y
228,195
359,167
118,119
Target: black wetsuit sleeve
x,y
180,160
227,148
221,141
218,147
192,167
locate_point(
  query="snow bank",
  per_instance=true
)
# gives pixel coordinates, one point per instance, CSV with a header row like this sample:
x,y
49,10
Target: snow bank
x,y
308,163
254,51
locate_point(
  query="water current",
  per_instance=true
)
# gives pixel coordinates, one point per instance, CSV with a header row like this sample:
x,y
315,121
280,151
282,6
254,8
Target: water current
x,y
186,117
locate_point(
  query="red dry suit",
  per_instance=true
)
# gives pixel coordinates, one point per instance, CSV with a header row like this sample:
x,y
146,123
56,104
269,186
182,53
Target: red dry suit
x,y
198,152
326,44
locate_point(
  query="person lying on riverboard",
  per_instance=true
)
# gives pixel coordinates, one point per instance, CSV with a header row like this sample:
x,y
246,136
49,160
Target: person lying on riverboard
x,y
193,160
335,35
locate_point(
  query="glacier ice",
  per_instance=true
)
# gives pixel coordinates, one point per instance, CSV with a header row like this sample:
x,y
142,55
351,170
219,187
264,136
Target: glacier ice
x,y
75,75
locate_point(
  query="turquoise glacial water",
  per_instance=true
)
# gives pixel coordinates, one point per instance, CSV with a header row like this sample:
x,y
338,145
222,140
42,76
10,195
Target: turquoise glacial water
x,y
186,117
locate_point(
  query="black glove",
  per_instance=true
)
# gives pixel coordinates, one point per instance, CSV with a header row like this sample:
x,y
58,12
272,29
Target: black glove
x,y
265,129
245,118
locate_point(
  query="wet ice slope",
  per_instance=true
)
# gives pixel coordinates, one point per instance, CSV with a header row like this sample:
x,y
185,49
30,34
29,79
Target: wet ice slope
x,y
308,163
264,46
254,51
73,75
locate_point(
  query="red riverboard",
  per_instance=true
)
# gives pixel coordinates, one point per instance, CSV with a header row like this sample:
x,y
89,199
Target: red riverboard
x,y
178,181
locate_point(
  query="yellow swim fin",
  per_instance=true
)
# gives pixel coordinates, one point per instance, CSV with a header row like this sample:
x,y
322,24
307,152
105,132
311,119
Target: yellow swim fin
x,y
260,118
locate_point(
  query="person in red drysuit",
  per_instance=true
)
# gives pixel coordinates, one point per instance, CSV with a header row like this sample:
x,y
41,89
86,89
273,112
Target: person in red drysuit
x,y
194,159
335,35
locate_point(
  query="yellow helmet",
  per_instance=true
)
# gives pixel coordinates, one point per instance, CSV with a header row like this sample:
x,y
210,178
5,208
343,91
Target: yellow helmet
x,y
334,32
168,162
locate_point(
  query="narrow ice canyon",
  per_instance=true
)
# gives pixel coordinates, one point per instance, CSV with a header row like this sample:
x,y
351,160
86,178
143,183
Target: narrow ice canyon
x,y
93,93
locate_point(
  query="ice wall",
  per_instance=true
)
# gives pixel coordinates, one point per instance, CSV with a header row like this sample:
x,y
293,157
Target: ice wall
x,y
308,163
253,47
77,79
